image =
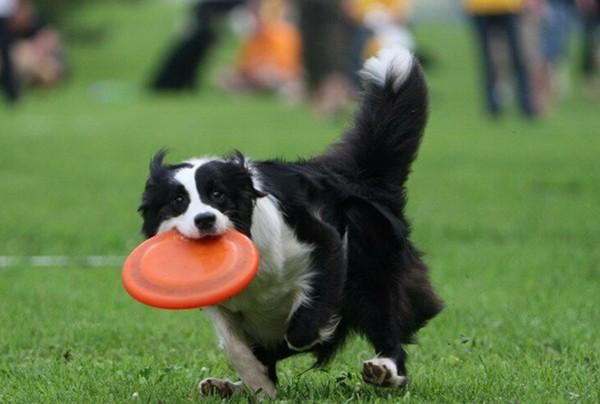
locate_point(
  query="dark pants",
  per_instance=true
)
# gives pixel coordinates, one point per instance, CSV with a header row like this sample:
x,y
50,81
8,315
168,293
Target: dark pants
x,y
591,26
179,68
8,81
326,39
506,26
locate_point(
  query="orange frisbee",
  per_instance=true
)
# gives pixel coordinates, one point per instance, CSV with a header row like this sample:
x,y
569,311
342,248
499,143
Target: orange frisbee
x,y
173,272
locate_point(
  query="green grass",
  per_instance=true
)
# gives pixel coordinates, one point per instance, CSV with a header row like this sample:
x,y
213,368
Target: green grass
x,y
507,213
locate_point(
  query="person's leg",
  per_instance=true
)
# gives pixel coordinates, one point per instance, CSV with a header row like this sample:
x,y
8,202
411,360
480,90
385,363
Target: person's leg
x,y
550,31
483,32
8,81
179,69
360,38
326,39
591,26
511,23
596,44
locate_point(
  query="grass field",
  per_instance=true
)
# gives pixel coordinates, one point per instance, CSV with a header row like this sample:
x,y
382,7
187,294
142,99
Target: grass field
x,y
507,212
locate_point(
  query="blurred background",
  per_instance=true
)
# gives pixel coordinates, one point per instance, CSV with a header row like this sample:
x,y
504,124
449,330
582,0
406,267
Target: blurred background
x,y
91,89
504,198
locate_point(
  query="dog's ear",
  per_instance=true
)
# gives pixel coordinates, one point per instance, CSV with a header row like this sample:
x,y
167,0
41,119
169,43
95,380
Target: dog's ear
x,y
157,171
157,167
236,157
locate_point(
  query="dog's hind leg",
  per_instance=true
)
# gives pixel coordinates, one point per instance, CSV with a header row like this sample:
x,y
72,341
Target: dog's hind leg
x,y
380,320
376,302
382,327
387,369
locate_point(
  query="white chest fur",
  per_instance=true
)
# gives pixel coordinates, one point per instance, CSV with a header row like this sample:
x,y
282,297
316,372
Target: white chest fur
x,y
282,283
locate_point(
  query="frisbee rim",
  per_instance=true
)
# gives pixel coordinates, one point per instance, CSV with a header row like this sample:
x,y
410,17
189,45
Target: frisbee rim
x,y
246,254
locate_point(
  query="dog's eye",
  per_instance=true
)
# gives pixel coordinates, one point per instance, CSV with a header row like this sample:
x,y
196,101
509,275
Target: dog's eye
x,y
217,195
179,199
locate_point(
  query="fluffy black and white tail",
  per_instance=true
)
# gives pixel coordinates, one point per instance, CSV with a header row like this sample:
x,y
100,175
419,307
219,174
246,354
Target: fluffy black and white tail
x,y
381,146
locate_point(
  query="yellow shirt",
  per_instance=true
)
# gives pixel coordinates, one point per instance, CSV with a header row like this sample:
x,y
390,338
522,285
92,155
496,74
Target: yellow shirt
x,y
493,6
360,8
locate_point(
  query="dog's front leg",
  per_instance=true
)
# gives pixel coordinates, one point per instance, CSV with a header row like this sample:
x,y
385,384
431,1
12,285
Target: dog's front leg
x,y
315,320
253,373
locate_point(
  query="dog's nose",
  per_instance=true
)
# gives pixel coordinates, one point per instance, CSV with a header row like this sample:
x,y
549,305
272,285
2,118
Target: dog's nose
x,y
205,221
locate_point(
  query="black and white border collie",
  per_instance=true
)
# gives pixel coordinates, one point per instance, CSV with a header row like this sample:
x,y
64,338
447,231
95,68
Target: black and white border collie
x,y
333,239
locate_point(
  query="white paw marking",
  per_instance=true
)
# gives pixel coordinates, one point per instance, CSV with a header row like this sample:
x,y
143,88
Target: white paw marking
x,y
221,387
382,372
394,63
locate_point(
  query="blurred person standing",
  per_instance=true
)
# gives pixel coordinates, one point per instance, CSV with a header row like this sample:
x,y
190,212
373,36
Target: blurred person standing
x,y
556,20
591,44
500,19
8,79
326,53
179,67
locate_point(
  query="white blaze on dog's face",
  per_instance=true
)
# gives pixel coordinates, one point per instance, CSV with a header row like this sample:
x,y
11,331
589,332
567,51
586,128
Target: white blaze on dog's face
x,y
199,218
198,198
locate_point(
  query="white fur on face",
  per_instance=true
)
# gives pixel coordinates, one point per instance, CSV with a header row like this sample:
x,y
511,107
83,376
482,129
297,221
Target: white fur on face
x,y
184,223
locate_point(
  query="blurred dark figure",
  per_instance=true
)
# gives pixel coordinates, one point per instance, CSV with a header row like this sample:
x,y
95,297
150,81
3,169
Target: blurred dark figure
x,y
591,12
492,20
326,51
178,70
8,79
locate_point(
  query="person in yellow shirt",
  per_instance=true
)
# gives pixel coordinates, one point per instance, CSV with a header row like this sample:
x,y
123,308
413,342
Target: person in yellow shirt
x,y
499,20
493,6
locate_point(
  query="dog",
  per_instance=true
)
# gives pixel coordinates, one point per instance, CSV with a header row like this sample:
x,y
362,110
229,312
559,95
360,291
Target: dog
x,y
335,253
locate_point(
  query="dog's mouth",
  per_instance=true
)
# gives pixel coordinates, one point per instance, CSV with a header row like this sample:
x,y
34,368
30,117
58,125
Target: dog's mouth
x,y
197,234
209,234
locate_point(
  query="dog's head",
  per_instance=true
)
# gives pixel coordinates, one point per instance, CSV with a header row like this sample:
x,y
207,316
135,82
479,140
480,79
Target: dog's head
x,y
199,197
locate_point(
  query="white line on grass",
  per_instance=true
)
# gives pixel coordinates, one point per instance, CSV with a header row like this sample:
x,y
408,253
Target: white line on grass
x,y
89,261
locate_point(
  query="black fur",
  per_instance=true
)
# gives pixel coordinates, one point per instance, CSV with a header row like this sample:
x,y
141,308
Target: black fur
x,y
349,204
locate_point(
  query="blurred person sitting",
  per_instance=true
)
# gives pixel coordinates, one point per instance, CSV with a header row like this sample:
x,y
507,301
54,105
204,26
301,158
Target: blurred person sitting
x,y
591,44
37,52
38,49
270,57
8,80
495,19
378,24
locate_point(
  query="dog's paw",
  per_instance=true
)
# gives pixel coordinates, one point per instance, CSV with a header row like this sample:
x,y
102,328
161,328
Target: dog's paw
x,y
382,372
221,387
